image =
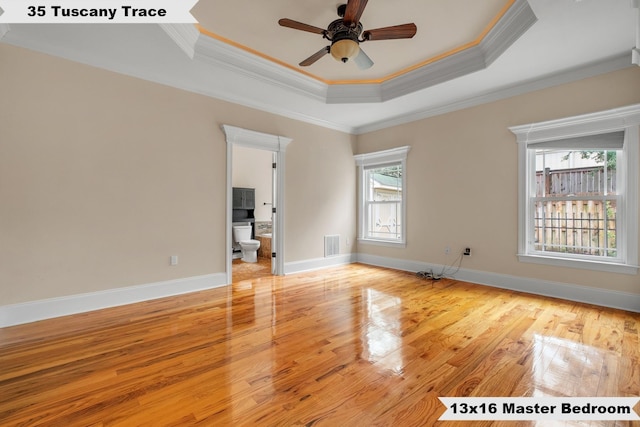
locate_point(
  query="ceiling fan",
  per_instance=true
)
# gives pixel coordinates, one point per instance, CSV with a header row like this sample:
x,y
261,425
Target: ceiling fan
x,y
346,34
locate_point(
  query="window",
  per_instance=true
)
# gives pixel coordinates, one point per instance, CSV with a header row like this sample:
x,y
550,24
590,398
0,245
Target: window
x,y
383,202
575,200
382,196
578,191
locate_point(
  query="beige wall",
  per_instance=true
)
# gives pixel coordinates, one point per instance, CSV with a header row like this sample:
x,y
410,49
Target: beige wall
x,y
462,178
321,195
104,176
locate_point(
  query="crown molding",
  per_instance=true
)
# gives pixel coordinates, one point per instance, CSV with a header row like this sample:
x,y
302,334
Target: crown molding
x,y
184,35
216,69
354,93
173,78
4,29
449,68
220,54
515,22
616,63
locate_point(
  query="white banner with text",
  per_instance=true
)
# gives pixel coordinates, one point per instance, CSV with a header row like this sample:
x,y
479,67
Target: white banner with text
x,y
96,11
540,408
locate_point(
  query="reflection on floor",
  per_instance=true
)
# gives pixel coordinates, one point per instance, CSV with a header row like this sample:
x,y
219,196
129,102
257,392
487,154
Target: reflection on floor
x,y
250,270
347,346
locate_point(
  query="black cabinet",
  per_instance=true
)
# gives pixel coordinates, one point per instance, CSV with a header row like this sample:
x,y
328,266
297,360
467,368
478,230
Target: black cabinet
x,y
244,198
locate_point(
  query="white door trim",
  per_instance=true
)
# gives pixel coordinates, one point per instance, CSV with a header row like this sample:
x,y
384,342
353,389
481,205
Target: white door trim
x,y
262,141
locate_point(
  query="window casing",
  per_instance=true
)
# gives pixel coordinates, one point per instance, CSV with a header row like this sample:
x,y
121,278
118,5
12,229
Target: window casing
x,y
574,210
578,191
382,197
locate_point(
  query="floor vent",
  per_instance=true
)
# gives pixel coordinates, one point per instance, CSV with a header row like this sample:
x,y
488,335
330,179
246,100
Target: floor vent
x,y
331,245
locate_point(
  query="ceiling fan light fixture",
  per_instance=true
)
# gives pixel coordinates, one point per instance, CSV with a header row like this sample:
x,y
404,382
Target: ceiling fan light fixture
x,y
345,49
345,35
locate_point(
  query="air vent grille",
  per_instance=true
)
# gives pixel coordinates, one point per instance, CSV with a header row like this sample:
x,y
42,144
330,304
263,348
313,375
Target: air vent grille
x,y
331,245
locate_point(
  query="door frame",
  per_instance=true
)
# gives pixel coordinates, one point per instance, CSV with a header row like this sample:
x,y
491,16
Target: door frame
x,y
240,137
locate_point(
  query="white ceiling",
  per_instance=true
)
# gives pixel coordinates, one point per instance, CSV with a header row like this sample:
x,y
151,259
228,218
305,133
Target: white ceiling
x,y
531,45
442,27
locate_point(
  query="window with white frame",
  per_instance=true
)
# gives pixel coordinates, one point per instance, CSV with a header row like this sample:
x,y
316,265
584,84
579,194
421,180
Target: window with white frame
x,y
578,198
382,196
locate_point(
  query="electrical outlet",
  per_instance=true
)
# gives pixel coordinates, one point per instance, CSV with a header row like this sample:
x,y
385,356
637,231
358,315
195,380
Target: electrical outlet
x,y
173,260
467,251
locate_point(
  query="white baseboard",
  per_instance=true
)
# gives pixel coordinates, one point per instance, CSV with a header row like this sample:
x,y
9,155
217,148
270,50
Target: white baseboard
x,y
602,297
16,314
318,263
32,311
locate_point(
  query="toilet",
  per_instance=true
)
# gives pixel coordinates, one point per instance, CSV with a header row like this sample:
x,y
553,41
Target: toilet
x,y
249,246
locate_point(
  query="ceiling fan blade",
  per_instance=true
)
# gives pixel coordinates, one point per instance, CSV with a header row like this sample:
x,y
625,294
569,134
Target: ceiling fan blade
x,y
290,23
354,11
313,58
362,60
404,31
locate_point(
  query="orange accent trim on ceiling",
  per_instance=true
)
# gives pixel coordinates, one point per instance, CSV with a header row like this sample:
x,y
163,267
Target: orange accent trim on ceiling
x,y
258,53
406,70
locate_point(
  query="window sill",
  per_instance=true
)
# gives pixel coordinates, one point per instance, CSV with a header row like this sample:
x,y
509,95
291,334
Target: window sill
x,y
610,267
388,243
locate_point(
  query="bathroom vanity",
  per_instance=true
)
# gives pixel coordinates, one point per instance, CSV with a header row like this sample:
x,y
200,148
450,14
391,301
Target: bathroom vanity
x,y
265,245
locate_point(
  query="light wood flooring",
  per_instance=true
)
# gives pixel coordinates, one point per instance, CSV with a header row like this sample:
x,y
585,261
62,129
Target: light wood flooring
x,y
348,346
241,270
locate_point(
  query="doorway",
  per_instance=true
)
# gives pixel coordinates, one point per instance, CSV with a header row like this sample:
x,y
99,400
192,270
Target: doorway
x,y
238,137
252,181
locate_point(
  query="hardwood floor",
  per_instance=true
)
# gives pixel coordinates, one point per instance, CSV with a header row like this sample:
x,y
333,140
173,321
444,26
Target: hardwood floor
x,y
250,270
348,346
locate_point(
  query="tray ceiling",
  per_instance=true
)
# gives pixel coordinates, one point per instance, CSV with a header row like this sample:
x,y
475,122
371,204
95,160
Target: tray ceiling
x,y
443,28
238,53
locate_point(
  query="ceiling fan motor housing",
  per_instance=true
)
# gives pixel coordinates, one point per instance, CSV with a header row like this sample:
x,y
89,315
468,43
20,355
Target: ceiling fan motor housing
x,y
346,34
338,32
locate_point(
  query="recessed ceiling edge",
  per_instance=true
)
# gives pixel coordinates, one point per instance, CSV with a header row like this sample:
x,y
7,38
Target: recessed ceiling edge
x,y
513,24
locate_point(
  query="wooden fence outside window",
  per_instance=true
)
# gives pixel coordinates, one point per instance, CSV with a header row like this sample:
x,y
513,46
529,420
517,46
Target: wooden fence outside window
x,y
573,213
